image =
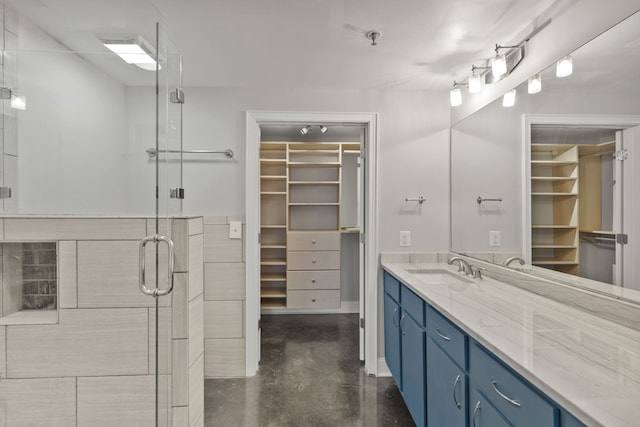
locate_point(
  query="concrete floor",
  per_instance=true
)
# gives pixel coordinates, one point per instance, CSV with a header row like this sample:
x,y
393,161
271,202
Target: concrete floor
x,y
309,375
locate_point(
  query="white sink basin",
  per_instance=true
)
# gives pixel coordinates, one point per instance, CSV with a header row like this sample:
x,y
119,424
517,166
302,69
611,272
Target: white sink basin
x,y
438,276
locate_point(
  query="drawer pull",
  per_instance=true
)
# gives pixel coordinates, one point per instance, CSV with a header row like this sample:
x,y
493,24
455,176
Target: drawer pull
x,y
494,384
313,242
394,318
313,261
401,319
313,300
475,413
313,280
455,386
441,335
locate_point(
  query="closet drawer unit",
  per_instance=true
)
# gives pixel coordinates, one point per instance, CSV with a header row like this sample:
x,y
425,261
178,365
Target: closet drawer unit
x,y
313,240
313,299
514,399
313,279
320,260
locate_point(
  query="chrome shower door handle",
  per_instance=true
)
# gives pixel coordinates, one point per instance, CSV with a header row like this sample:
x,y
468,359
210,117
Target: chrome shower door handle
x,y
155,292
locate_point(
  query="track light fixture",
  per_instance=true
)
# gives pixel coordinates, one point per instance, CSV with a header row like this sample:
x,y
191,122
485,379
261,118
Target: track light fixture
x,y
323,129
305,129
564,67
455,95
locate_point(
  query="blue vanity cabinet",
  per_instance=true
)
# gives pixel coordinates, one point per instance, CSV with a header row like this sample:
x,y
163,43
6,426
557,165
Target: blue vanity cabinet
x,y
446,372
482,413
568,420
515,400
413,369
392,337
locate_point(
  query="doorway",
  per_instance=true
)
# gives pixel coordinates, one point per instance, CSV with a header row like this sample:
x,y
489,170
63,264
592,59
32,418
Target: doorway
x,y
365,239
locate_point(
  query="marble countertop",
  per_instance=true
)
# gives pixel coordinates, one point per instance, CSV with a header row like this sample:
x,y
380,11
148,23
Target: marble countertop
x,y
589,365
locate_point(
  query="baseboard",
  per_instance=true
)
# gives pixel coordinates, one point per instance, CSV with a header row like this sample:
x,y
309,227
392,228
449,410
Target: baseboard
x,y
383,369
346,307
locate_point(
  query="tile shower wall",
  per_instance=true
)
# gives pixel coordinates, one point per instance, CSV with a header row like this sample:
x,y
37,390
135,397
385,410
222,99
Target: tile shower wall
x,y
94,367
8,122
224,300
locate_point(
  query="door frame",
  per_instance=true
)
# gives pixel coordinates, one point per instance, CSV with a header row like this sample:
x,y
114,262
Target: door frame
x,y
252,208
528,121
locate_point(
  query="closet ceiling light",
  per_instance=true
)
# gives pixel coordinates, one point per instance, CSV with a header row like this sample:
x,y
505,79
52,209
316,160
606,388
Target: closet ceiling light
x,y
535,84
323,129
509,98
564,67
133,50
305,130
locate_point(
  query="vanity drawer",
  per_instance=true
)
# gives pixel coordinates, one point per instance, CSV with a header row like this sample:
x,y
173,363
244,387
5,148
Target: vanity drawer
x,y
317,260
412,304
313,279
392,286
313,299
313,240
514,399
451,339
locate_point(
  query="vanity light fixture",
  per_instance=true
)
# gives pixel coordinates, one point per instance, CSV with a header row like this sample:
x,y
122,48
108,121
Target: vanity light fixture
x,y
324,129
535,83
305,129
509,98
455,95
564,67
133,50
499,65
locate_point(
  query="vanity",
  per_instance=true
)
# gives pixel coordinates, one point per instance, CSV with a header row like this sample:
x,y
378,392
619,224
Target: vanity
x,y
481,352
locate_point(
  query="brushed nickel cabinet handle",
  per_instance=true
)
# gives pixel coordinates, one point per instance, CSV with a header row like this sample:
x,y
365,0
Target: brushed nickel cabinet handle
x,y
394,317
494,384
475,413
441,335
455,386
401,319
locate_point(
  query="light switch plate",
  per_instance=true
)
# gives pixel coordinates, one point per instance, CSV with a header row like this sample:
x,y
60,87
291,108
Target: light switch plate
x,y
494,238
235,230
405,238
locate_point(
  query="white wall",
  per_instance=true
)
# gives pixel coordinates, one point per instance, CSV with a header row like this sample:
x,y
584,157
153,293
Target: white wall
x,y
413,152
73,139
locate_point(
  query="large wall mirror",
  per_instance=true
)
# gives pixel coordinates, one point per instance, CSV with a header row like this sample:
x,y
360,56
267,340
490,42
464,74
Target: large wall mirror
x,y
552,179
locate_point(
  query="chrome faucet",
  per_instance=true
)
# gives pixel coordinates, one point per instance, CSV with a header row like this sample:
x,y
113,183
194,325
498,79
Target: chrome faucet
x,y
511,259
463,266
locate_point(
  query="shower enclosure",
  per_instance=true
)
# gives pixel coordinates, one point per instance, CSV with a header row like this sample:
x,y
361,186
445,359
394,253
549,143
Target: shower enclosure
x,y
91,332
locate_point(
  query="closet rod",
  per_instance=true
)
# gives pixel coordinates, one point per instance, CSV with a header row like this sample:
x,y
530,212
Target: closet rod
x,y
152,152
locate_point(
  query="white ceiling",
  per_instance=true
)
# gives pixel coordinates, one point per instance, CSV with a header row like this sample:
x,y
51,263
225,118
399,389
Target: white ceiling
x,y
425,44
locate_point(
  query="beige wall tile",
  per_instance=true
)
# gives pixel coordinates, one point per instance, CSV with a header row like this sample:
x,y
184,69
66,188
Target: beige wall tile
x,y
224,281
86,342
2,229
120,401
224,358
3,352
196,225
74,228
180,416
180,305
108,273
180,238
12,280
38,402
180,372
196,328
208,220
196,392
218,247
164,334
223,319
196,266
67,274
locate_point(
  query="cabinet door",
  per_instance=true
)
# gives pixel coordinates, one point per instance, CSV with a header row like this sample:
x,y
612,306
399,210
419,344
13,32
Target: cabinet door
x,y
446,389
482,414
413,368
392,338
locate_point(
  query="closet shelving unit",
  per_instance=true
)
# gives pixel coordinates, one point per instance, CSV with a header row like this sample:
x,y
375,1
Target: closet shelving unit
x,y
554,207
300,190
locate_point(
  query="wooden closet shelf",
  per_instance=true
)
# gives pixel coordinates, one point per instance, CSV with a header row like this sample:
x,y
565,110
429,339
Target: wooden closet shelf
x,y
315,204
552,163
314,164
314,182
273,277
273,177
553,262
553,178
273,303
552,246
554,226
273,293
272,246
273,261
555,194
276,226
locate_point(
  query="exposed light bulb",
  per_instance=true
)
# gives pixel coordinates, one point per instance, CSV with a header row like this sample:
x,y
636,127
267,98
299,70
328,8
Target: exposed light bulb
x,y
455,97
499,66
509,98
475,83
564,67
535,84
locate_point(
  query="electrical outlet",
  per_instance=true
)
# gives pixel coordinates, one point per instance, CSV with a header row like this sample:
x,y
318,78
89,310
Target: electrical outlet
x,y
494,238
235,230
405,238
